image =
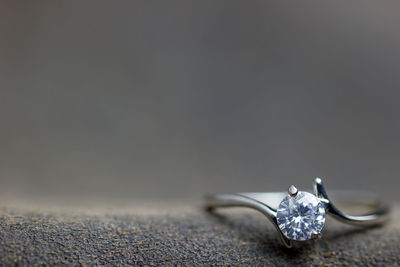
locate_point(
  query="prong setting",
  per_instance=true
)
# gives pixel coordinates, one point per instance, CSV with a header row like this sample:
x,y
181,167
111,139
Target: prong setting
x,y
292,191
300,215
316,235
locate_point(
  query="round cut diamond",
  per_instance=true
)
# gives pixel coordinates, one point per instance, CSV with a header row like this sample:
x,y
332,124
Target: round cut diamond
x,y
300,216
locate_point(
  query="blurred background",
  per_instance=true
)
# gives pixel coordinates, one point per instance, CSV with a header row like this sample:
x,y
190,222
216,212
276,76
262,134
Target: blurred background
x,y
159,100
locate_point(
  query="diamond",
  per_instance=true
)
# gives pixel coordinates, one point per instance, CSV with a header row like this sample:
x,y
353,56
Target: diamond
x,y
301,216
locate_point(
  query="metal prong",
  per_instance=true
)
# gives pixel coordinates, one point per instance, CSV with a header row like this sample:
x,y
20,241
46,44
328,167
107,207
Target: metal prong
x,y
319,191
316,235
292,191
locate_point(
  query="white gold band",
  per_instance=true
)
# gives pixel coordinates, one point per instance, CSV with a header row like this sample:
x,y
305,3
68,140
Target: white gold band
x,y
269,203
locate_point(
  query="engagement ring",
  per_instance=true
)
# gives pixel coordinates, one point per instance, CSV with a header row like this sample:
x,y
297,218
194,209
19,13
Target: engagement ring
x,y
300,216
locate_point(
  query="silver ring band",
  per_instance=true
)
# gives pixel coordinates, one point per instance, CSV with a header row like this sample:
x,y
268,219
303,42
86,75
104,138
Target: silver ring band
x,y
270,204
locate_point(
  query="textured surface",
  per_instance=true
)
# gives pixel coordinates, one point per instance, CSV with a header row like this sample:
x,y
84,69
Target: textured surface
x,y
184,235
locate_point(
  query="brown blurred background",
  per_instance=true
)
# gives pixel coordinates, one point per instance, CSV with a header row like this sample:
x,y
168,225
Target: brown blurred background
x,y
172,99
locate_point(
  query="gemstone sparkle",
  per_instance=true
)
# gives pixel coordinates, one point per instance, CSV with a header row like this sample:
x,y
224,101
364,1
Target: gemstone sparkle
x,y
300,216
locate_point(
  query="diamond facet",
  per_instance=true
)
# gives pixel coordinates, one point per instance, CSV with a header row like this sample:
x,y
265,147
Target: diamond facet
x,y
300,216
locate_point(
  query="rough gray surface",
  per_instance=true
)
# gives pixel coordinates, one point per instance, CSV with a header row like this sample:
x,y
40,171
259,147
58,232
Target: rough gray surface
x,y
188,236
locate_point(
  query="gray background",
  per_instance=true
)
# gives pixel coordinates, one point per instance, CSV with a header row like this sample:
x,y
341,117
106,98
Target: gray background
x,y
167,100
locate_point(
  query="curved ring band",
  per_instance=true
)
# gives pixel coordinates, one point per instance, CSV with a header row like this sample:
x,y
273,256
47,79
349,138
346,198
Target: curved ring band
x,y
266,203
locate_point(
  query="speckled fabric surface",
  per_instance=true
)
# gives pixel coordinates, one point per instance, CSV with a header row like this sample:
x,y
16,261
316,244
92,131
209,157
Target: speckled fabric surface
x,y
186,236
